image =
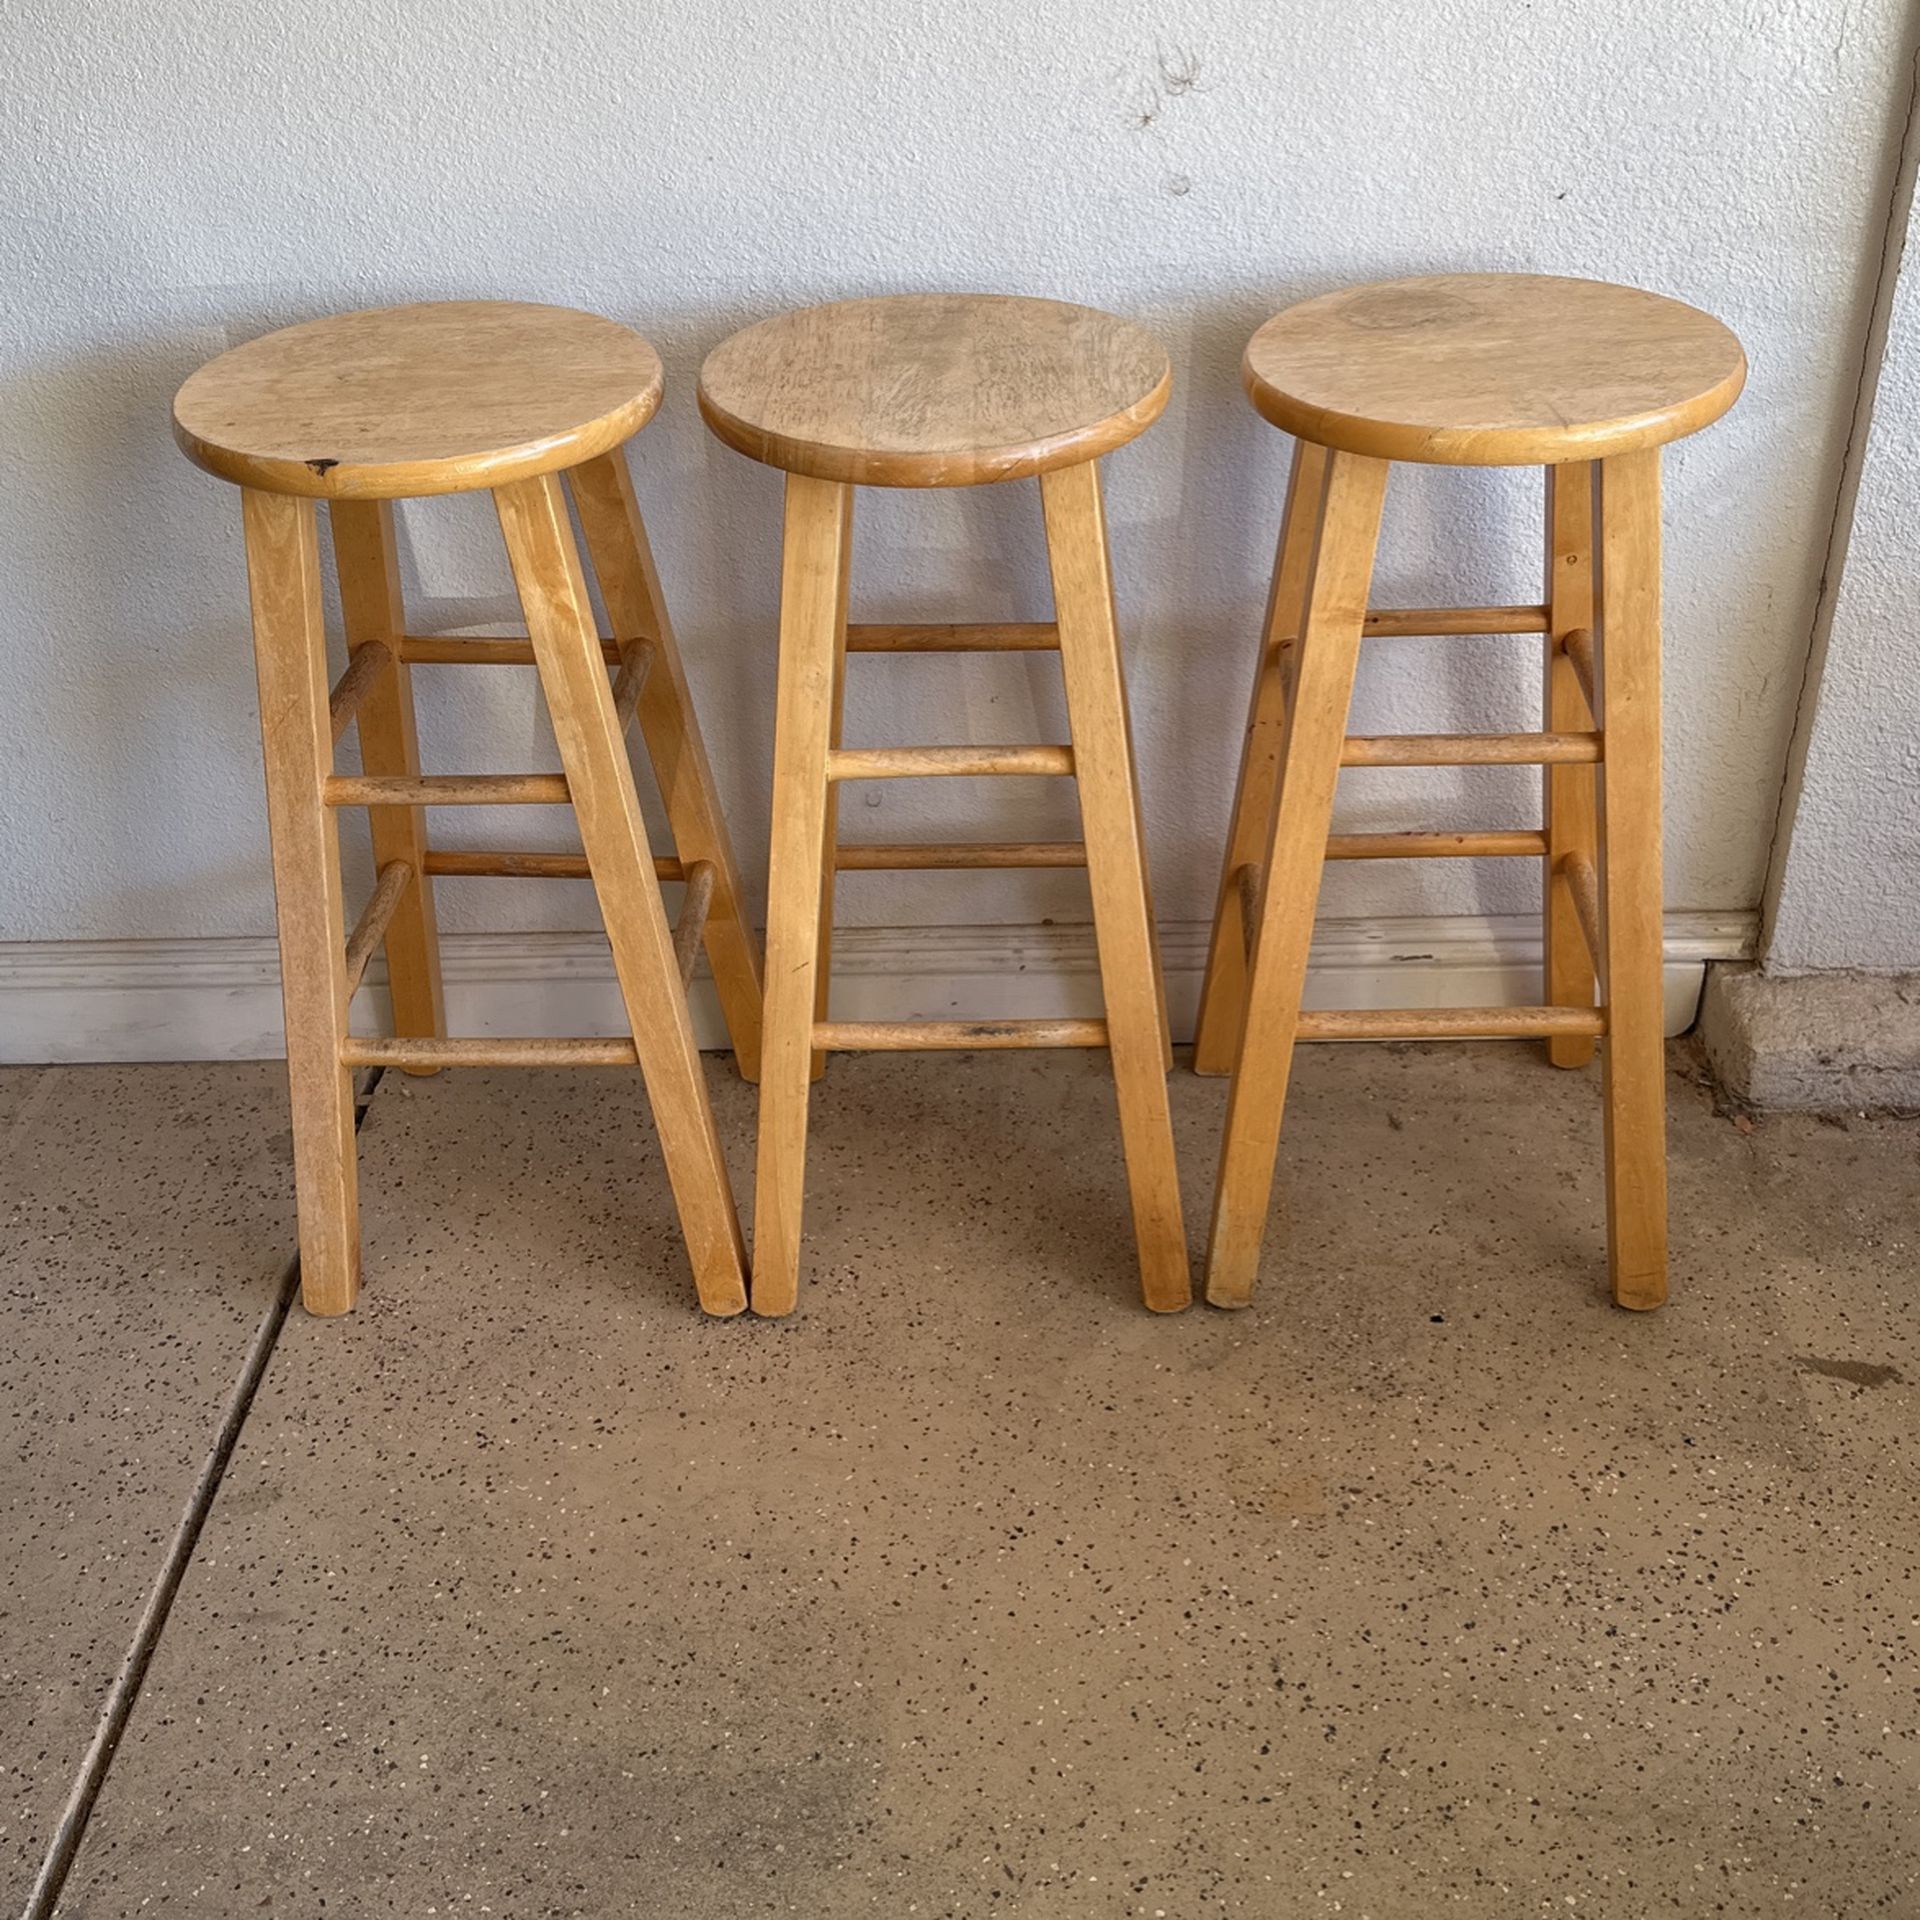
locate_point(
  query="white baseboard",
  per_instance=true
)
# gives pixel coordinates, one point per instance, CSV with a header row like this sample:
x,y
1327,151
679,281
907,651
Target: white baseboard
x,y
219,999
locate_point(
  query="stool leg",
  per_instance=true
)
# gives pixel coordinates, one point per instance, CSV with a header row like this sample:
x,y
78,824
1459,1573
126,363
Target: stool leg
x,y
368,564
573,675
811,602
1633,1055
1117,873
1339,577
622,559
823,976
1569,791
1223,993
289,644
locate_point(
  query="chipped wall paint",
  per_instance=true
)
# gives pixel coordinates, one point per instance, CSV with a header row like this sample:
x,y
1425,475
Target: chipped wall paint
x,y
181,178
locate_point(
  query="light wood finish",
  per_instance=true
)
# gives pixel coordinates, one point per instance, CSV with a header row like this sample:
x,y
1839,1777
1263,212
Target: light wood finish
x,y
1579,652
1569,793
446,397
451,650
817,529
934,389
1499,370
1329,648
363,671
1021,636
553,591
1633,1059
367,560
829,851
290,653
1470,749
394,880
1448,1023
623,563
692,924
925,763
1136,1015
878,857
509,864
945,1036
636,663
1434,846
1223,991
429,1056
1584,884
1434,623
448,790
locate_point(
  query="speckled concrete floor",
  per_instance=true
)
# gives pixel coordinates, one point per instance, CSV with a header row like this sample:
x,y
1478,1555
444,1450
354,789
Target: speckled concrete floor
x,y
1432,1584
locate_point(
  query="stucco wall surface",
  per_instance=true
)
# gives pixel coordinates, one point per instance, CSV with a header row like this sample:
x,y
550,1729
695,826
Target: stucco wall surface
x,y
177,179
1848,894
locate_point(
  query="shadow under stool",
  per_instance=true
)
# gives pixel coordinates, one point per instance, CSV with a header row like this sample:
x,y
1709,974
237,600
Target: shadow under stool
x,y
460,397
947,390
1588,381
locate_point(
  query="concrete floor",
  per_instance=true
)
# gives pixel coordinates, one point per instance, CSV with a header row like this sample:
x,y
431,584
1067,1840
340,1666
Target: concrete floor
x,y
1431,1584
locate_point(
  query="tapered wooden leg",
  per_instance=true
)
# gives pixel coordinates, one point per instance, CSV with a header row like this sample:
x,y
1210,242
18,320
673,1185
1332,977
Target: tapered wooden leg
x,y
1223,993
1633,1054
1339,577
368,564
573,675
1569,791
290,652
811,605
823,963
1117,873
630,584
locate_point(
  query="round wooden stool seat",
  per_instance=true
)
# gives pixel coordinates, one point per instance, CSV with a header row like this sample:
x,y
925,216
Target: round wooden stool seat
x,y
399,402
1492,370
934,389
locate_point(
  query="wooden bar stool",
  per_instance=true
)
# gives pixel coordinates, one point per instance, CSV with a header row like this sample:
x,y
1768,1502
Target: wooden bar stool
x,y
947,390
459,397
1588,381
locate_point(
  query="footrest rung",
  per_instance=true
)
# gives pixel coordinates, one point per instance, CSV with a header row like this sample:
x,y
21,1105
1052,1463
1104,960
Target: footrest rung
x,y
447,790
447,650
1017,636
1433,623
1469,749
429,1055
371,928
369,662
1584,884
979,853
1434,846
1578,646
1451,1023
919,763
636,662
691,927
506,864
916,1036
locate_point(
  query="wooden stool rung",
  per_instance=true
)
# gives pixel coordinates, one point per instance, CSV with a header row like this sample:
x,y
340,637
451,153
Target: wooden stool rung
x,y
1578,646
978,853
370,929
1435,846
505,863
1016,636
917,1036
691,927
636,662
1450,1023
447,790
1432,623
443,650
485,1051
912,763
1584,884
1469,749
363,672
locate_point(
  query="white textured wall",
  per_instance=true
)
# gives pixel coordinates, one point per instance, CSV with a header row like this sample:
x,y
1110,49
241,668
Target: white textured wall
x,y
179,177
1848,890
